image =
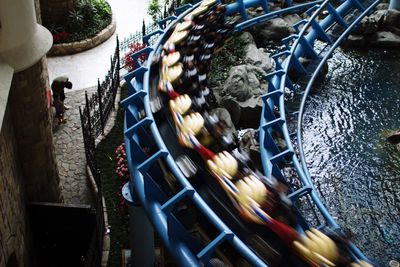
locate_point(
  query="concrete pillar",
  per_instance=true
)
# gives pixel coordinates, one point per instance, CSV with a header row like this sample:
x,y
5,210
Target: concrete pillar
x,y
23,42
394,4
23,46
32,122
141,231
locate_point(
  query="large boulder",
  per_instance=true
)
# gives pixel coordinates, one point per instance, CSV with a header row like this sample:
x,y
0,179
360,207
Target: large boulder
x,y
368,25
246,38
272,30
292,19
242,93
382,6
225,116
392,21
356,41
243,84
255,56
385,39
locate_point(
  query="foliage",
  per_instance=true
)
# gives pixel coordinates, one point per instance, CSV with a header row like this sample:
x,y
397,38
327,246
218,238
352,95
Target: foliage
x,y
60,37
111,184
121,170
154,10
103,9
130,65
85,21
232,54
75,19
87,9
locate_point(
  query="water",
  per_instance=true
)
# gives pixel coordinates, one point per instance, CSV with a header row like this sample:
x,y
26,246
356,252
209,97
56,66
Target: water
x,y
356,170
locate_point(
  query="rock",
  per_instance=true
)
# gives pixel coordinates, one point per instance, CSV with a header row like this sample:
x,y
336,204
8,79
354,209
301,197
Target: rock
x,y
356,41
392,21
243,115
243,84
248,142
257,57
242,93
386,39
379,17
292,19
254,55
368,25
246,38
225,116
394,137
233,108
272,30
382,6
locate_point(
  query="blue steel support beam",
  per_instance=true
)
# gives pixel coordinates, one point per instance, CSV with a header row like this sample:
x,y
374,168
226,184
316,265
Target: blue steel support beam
x,y
157,205
241,6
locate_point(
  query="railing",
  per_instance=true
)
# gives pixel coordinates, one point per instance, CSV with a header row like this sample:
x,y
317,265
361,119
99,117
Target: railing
x,y
94,117
98,106
138,37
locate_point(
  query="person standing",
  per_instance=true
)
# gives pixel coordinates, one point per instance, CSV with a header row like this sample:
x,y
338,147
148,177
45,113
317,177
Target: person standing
x,y
57,87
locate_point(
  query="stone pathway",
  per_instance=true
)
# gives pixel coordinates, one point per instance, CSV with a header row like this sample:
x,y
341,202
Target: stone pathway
x,y
70,153
83,69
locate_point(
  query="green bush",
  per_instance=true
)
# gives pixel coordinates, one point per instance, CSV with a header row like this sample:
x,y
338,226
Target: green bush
x,y
154,10
103,9
87,9
87,19
76,20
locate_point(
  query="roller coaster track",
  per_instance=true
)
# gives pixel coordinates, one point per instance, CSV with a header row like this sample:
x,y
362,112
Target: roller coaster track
x,y
328,23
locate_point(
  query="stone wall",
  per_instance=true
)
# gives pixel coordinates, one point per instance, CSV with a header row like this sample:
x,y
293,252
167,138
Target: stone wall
x,y
54,11
32,122
14,236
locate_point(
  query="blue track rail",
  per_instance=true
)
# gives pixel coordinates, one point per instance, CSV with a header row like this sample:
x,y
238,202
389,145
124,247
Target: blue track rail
x,y
303,47
141,132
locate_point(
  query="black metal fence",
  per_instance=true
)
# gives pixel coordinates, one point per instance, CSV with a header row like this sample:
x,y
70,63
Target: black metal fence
x,y
137,37
98,106
95,252
94,117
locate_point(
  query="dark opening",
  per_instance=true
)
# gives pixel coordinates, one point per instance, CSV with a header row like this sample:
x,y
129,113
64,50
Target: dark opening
x,y
12,261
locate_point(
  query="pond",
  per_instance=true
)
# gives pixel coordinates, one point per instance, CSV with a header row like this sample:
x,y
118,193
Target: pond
x,y
356,170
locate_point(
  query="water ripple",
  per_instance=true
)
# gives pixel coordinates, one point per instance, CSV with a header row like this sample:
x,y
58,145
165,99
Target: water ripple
x,y
356,170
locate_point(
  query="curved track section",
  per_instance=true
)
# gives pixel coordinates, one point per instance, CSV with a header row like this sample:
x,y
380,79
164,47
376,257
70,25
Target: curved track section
x,y
154,169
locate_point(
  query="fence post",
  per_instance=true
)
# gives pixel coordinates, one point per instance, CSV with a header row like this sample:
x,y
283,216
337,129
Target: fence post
x,y
83,129
118,62
100,106
88,114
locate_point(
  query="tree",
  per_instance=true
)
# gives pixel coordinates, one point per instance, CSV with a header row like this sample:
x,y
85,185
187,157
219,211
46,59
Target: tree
x,y
154,10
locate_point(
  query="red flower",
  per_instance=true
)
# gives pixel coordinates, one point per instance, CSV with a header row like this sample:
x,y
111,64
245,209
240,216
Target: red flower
x,y
60,36
131,65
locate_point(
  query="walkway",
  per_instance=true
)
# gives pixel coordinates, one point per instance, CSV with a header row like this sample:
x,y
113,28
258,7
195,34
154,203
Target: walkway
x,y
84,69
70,153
